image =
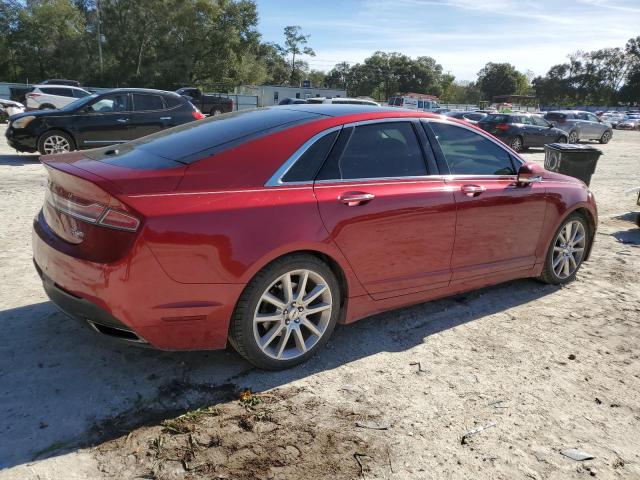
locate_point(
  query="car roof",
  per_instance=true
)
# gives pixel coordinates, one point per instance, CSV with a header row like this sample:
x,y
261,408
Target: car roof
x,y
141,90
338,110
56,85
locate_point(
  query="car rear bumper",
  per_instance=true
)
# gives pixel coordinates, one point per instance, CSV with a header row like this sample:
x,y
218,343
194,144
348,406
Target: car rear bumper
x,y
133,299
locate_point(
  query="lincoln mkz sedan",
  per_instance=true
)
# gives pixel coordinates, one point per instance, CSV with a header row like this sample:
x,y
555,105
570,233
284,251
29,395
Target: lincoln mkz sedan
x,y
265,228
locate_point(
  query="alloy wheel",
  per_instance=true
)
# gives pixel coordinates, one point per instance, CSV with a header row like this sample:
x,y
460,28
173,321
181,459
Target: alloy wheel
x,y
568,249
516,144
56,144
573,137
606,136
292,314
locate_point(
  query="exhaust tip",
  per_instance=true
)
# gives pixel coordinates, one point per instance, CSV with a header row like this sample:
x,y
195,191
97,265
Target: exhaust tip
x,y
114,332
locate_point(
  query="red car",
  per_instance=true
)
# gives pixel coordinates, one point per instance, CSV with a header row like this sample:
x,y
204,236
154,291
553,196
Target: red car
x,y
266,227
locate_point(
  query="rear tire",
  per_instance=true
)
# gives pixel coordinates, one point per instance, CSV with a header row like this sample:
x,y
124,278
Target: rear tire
x,y
55,141
567,250
573,137
562,140
286,313
516,144
46,106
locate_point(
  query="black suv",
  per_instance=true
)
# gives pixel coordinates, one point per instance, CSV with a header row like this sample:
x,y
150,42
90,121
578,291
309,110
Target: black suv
x,y
115,116
522,130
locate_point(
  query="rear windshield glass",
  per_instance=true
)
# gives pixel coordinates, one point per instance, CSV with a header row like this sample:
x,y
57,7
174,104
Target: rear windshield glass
x,y
555,116
193,141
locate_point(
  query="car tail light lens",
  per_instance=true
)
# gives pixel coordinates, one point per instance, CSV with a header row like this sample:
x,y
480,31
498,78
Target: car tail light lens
x,y
502,127
91,212
197,115
32,95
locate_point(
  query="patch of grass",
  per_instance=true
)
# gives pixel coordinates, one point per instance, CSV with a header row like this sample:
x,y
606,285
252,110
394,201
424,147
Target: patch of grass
x,y
185,423
249,400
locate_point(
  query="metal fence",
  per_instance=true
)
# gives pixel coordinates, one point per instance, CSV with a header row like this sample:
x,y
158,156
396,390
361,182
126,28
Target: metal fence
x,y
240,102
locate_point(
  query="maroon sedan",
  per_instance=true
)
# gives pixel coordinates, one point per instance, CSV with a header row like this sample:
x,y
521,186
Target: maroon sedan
x,y
267,227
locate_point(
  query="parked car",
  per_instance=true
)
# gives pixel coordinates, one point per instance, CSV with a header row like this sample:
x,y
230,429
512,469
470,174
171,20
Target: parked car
x,y
613,118
116,116
292,101
522,130
630,122
58,81
471,117
350,101
580,125
45,97
414,103
207,103
9,108
184,239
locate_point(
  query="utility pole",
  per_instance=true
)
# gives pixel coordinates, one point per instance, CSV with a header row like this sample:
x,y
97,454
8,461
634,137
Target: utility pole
x,y
99,37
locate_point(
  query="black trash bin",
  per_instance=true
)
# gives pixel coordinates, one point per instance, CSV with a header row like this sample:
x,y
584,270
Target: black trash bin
x,y
572,159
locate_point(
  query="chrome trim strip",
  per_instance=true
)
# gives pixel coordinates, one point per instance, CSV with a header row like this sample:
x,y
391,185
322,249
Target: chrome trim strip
x,y
276,178
106,141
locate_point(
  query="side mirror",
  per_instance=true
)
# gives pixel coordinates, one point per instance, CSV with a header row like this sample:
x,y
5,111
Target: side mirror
x,y
530,173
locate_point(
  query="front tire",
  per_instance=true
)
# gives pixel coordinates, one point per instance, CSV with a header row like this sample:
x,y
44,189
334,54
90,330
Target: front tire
x,y
55,141
606,136
286,313
568,248
573,137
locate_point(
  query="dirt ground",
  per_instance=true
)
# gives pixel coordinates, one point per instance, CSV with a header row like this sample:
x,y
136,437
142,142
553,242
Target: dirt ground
x,y
394,396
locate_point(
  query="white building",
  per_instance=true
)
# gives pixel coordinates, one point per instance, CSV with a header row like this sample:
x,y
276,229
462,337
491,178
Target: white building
x,y
273,94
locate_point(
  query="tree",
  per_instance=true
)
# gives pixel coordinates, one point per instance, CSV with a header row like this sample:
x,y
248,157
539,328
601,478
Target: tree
x,y
498,79
316,77
295,43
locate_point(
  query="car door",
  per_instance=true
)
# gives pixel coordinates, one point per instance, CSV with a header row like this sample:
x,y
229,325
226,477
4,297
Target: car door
x,y
498,221
149,115
530,131
596,127
546,131
104,121
393,221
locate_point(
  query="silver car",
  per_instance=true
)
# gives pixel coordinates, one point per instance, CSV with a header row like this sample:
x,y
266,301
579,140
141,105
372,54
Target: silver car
x,y
580,125
630,122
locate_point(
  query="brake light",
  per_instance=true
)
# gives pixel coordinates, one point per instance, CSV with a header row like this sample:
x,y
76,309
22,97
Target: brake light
x,y
502,126
32,95
197,115
91,212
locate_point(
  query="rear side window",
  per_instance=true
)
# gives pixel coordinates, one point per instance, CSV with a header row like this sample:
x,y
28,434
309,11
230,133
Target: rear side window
x,y
80,93
173,100
142,103
498,118
555,116
468,153
62,92
379,150
307,166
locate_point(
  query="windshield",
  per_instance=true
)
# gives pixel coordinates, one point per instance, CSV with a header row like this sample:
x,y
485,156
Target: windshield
x,y
78,103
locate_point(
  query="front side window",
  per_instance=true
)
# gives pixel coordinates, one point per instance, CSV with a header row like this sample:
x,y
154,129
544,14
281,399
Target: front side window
x,y
109,104
582,116
592,118
142,103
469,153
539,121
378,150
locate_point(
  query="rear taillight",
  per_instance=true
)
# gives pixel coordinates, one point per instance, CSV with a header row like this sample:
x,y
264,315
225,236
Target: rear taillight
x,y
197,115
91,212
32,95
502,126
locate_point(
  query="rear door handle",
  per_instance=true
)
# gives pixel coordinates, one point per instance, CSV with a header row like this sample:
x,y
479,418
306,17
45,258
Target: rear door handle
x,y
122,120
165,118
473,190
353,199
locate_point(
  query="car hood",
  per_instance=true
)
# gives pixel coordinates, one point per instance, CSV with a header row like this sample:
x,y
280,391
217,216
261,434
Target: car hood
x,y
36,113
10,103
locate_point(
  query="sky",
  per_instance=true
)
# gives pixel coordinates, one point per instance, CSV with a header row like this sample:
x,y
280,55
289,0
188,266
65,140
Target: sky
x,y
462,35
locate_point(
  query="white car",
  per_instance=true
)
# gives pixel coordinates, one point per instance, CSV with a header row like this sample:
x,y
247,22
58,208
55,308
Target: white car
x,y
8,108
44,97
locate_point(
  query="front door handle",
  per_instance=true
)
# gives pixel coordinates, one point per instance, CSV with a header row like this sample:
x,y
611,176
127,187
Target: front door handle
x,y
122,120
473,190
353,199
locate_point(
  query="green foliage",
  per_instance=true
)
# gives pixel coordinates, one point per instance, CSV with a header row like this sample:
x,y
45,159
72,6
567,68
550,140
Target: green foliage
x,y
498,79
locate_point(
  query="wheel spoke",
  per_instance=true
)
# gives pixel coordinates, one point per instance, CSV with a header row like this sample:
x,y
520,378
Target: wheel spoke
x,y
558,249
302,285
578,239
318,308
297,336
287,288
283,342
565,267
267,297
572,262
313,294
308,324
268,317
557,260
271,335
567,232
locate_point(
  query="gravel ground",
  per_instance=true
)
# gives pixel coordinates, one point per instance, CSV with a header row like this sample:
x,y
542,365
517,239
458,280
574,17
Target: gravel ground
x,y
544,368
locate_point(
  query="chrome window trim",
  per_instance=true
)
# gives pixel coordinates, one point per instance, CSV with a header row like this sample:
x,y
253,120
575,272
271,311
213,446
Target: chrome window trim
x,y
276,178
482,133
